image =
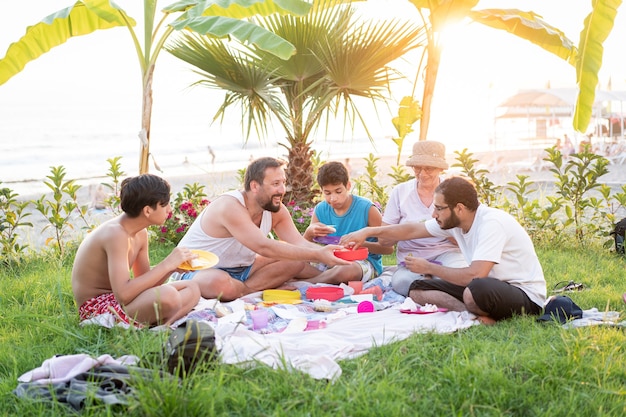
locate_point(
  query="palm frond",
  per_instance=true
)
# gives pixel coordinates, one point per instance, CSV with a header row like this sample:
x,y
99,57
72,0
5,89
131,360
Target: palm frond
x,y
246,80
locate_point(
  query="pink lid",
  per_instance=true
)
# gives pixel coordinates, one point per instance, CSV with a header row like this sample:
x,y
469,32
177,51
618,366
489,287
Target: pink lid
x,y
324,293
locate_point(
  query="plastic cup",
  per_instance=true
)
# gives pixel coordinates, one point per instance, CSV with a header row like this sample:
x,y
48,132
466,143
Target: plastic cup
x,y
259,319
312,325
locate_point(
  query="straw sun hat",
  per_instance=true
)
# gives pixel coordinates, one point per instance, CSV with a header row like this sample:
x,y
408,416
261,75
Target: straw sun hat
x,y
428,153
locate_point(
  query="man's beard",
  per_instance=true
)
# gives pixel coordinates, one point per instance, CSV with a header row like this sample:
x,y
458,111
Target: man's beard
x,y
269,206
452,222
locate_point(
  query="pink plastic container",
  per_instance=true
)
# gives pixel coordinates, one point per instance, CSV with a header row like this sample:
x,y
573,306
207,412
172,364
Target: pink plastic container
x,y
352,254
324,293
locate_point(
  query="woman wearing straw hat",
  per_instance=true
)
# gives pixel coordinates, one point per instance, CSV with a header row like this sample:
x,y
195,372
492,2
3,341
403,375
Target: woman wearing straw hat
x,y
412,201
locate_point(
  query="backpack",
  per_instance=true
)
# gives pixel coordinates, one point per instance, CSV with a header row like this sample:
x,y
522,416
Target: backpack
x,y
190,344
618,232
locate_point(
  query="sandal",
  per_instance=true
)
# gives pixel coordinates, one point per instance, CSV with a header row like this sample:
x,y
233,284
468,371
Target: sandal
x,y
570,286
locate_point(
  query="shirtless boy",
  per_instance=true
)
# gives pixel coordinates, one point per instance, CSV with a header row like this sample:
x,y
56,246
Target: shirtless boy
x,y
101,277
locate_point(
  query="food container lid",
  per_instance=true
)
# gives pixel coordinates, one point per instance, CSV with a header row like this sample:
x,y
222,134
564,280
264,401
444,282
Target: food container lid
x,y
324,293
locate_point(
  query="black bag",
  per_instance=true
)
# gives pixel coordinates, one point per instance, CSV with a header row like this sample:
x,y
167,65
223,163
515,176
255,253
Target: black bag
x,y
190,344
618,234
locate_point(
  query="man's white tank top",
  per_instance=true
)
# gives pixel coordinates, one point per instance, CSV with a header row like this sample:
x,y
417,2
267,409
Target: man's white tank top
x,y
230,251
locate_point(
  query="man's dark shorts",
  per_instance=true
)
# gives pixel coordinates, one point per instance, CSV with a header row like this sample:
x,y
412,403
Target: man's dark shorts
x,y
498,299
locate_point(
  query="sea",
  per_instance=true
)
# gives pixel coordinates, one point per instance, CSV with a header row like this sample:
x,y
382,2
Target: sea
x,y
82,141
184,142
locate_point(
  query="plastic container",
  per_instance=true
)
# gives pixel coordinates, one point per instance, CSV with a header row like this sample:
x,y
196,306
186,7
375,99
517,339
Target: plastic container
x,y
376,291
281,295
357,286
352,254
324,293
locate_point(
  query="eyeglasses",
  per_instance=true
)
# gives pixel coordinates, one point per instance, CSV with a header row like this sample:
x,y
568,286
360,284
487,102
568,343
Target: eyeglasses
x,y
427,170
440,208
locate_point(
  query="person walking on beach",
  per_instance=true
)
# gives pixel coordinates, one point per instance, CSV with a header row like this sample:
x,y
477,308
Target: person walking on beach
x,y
101,279
504,276
235,227
345,212
413,201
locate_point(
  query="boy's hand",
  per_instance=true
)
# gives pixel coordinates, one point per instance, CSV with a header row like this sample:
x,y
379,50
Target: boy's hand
x,y
179,256
318,229
321,229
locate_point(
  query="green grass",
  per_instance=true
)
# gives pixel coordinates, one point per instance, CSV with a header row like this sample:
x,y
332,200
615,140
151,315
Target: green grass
x,y
517,368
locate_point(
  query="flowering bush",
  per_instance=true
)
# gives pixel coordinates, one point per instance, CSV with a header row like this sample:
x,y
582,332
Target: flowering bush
x,y
300,214
187,205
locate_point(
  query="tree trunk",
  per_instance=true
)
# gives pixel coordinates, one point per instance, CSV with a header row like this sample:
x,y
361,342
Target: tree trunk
x,y
300,174
432,67
146,117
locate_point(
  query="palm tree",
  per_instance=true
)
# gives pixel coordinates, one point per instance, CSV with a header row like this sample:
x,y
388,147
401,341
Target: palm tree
x,y
219,19
339,57
529,26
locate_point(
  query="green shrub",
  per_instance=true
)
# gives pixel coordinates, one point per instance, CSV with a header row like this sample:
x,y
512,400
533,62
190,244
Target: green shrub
x,y
186,207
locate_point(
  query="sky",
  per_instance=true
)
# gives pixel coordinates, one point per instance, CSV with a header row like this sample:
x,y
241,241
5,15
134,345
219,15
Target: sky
x,y
480,68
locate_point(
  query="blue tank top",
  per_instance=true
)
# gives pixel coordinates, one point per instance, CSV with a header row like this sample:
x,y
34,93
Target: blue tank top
x,y
354,219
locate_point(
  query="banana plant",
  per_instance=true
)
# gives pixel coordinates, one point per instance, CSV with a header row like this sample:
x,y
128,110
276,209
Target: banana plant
x,y
216,18
598,25
587,58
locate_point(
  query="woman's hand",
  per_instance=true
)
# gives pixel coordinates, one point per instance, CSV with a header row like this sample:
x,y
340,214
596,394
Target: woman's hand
x,y
354,239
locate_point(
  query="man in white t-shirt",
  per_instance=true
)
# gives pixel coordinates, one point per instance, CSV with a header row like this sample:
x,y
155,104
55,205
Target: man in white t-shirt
x,y
504,276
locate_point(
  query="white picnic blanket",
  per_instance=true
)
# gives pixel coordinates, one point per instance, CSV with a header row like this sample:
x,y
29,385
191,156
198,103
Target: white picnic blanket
x,y
317,352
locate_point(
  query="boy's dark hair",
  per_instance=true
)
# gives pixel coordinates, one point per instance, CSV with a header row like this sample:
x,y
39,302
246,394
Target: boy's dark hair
x,y
143,190
457,190
256,170
332,173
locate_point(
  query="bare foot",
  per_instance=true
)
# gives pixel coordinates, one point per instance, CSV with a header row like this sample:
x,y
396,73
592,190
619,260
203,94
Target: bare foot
x,y
486,320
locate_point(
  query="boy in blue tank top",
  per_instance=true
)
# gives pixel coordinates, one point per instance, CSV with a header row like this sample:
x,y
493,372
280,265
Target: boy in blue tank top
x,y
340,213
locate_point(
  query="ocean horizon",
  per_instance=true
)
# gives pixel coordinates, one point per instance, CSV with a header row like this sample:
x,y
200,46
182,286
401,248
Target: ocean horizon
x,y
82,138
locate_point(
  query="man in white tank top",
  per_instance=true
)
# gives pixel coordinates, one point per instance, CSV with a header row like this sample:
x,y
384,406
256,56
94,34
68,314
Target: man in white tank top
x,y
236,226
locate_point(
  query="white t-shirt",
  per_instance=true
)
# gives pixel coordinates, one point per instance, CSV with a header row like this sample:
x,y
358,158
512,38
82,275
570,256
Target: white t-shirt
x,y
496,236
405,206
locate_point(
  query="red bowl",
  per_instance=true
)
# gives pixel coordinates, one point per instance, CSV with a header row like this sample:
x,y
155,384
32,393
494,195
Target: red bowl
x,y
352,254
324,293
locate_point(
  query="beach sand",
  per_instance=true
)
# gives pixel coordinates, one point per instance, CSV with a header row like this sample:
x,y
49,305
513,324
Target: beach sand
x,y
503,167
